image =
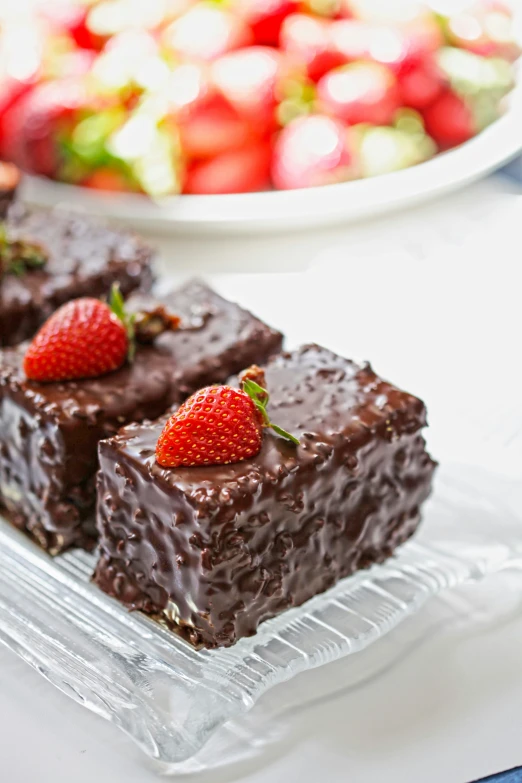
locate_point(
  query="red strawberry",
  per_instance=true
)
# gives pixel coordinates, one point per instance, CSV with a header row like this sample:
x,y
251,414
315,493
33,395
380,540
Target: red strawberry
x,y
265,18
450,120
394,45
360,93
354,40
253,80
106,178
239,171
35,122
311,151
420,83
206,121
205,32
423,35
211,127
108,18
310,41
76,62
71,19
82,339
18,75
12,92
486,29
218,425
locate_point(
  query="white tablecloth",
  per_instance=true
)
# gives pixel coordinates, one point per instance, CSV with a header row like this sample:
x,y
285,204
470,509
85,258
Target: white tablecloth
x,y
433,299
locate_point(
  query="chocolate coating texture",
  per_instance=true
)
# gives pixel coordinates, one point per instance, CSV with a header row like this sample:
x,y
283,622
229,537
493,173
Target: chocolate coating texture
x,y
84,259
216,550
217,338
49,432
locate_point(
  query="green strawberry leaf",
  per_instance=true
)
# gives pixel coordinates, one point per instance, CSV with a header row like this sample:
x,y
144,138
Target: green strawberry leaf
x,y
260,398
117,305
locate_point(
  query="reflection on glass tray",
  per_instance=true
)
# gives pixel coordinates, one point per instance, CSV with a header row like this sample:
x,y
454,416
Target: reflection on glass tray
x,y
172,699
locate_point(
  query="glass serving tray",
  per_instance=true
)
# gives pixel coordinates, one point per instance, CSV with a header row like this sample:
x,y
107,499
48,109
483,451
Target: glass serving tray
x,y
172,699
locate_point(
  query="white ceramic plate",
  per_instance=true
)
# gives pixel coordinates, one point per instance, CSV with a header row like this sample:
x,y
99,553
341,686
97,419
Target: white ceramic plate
x,y
279,210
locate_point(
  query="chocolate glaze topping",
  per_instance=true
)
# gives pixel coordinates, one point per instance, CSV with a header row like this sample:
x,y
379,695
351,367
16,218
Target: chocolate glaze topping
x,y
84,258
216,337
49,432
216,550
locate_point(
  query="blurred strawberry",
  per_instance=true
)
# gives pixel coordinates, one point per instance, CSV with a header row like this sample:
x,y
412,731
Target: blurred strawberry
x,y
265,18
244,170
21,51
71,19
211,128
420,83
58,60
208,124
309,40
108,179
355,40
486,28
423,35
482,81
326,9
12,92
397,46
254,80
312,151
173,9
344,10
205,32
450,120
34,126
360,93
388,12
107,18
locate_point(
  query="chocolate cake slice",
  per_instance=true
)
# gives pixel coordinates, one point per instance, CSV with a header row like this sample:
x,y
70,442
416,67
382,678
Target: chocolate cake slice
x,y
49,432
215,550
82,258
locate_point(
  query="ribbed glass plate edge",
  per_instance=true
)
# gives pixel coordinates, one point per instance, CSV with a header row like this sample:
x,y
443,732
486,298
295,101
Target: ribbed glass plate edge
x,y
170,698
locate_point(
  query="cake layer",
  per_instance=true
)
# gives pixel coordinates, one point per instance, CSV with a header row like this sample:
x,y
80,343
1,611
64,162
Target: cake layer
x,y
216,550
49,432
84,258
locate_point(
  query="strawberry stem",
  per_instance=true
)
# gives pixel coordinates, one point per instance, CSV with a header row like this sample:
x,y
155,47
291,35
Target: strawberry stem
x,y
260,398
142,327
117,305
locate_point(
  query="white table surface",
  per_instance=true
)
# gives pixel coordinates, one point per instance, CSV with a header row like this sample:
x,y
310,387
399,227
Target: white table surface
x,y
433,298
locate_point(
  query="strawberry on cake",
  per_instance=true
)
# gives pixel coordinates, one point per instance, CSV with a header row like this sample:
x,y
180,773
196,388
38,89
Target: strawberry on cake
x,y
215,519
50,257
93,368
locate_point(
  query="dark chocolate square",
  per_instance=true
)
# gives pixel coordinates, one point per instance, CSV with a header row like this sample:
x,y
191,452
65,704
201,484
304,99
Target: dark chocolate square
x,y
84,258
213,551
49,432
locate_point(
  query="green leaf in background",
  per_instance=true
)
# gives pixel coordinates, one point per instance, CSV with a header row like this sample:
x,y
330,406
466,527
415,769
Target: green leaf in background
x,y
471,75
89,138
148,143
386,149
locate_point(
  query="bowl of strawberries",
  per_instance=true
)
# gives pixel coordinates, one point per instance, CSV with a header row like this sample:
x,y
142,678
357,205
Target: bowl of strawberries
x,y
241,114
